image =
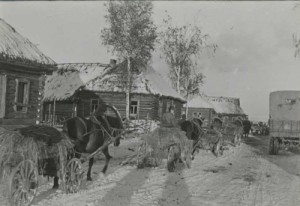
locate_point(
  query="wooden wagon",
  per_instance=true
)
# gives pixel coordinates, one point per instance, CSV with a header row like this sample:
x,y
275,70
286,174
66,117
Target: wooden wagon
x,y
165,143
231,131
36,150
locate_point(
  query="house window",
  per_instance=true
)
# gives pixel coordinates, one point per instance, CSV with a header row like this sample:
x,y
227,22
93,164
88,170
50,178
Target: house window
x,y
94,105
22,95
134,107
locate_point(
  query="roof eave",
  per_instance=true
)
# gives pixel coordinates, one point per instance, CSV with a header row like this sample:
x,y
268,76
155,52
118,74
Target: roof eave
x,y
42,68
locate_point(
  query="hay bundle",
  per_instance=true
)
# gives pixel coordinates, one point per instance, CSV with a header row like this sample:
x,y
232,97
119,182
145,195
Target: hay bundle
x,y
34,143
158,142
42,133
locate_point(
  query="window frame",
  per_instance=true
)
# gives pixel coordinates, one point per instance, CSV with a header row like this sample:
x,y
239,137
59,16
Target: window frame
x,y
25,103
170,102
137,108
91,105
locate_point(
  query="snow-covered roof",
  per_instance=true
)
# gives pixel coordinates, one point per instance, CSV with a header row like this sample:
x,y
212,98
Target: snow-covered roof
x,y
68,78
63,83
16,48
226,105
200,102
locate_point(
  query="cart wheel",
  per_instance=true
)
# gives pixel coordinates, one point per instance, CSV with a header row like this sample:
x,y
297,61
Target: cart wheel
x,y
23,184
218,149
235,140
158,154
188,160
172,161
238,139
73,176
141,155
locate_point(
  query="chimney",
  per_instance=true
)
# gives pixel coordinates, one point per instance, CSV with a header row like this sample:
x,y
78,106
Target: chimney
x,y
113,63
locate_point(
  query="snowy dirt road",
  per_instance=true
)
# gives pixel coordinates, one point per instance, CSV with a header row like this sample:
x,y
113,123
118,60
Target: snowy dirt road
x,y
245,175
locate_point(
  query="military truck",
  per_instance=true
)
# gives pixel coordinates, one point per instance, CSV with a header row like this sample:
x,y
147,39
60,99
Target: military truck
x,y
284,120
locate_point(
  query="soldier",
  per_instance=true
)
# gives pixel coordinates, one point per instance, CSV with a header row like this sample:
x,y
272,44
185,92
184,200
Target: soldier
x,y
168,119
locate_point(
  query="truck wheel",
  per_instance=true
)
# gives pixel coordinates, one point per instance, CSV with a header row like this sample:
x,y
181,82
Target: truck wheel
x,y
276,146
271,146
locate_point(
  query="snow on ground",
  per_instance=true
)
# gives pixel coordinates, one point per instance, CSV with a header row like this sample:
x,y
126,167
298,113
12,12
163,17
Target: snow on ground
x,y
142,126
244,175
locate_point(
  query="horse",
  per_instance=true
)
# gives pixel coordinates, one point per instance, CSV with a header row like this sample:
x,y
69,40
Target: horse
x,y
246,127
90,134
193,131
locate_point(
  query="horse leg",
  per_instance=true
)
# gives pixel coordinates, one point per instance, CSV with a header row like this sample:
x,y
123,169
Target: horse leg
x,y
91,162
55,182
107,158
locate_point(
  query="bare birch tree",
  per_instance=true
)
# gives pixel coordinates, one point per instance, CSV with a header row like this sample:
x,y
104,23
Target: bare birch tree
x,y
131,34
181,47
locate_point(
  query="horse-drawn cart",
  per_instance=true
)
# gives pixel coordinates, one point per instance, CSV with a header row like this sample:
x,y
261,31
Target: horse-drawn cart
x,y
232,132
36,150
165,143
216,137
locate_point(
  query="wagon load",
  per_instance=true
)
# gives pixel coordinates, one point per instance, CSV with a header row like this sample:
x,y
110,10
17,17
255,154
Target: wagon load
x,y
211,140
35,143
165,143
232,132
28,152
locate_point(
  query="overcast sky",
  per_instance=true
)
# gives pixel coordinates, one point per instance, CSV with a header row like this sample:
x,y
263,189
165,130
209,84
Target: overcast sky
x,y
255,54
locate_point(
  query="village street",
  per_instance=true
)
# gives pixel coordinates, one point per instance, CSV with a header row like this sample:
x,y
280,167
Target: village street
x,y
245,175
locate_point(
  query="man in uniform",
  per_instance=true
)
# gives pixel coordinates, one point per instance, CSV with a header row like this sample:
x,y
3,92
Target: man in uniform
x,y
168,119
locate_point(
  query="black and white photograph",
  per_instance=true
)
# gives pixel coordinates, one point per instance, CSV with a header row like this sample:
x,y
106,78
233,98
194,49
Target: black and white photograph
x,y
149,103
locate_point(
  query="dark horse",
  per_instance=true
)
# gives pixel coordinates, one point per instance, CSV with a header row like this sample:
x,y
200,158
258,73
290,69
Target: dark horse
x,y
246,127
90,134
193,131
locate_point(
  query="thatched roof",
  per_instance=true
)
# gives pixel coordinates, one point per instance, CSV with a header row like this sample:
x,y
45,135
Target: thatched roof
x,y
63,83
200,102
226,105
14,48
68,78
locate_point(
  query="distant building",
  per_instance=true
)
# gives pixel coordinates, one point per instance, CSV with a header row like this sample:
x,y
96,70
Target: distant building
x,y
201,105
77,89
227,108
22,68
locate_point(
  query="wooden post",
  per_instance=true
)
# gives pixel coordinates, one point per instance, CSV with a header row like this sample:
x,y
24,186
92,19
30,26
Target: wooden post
x,y
2,94
49,115
54,107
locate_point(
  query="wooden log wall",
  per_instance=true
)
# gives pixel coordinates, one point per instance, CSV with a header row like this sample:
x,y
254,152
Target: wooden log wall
x,y
149,105
63,110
